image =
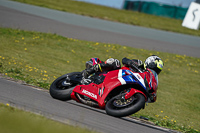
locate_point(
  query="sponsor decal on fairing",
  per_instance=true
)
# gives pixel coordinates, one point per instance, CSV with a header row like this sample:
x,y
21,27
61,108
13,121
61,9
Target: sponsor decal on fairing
x,y
137,75
122,81
89,93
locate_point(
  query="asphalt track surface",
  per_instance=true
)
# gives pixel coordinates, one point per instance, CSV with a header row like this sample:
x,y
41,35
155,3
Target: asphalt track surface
x,y
27,17
39,101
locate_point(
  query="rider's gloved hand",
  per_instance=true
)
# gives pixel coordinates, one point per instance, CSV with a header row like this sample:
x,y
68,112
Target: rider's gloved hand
x,y
88,72
85,74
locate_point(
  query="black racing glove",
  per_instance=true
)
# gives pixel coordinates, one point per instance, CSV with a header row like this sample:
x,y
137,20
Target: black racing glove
x,y
87,72
91,70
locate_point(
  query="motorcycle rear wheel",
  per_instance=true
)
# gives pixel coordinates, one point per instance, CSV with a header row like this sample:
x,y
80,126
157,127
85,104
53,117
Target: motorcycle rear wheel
x,y
61,89
130,108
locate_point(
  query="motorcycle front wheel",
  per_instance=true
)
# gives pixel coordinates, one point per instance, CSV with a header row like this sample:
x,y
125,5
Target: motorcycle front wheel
x,y
61,89
123,107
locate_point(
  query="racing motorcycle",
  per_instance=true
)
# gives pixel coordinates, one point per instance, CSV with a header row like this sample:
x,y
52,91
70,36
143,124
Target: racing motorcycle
x,y
120,92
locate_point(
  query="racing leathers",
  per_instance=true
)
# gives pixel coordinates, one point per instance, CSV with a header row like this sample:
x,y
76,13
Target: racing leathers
x,y
108,65
111,64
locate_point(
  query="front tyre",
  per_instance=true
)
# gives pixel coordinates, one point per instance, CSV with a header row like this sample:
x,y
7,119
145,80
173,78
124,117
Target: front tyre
x,y
120,107
61,89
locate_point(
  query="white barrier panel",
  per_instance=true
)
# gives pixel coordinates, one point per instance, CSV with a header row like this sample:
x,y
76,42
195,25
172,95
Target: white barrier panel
x,y
192,18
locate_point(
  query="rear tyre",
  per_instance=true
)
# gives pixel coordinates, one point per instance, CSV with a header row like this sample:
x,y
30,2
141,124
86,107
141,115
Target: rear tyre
x,y
119,108
61,89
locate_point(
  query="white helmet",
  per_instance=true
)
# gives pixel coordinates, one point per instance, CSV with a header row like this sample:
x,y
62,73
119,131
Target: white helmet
x,y
155,63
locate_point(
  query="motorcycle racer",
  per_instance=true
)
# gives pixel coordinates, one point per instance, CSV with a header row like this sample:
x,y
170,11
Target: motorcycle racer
x,y
153,63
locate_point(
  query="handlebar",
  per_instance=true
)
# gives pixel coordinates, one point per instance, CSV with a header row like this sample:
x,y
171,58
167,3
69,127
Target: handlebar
x,y
133,66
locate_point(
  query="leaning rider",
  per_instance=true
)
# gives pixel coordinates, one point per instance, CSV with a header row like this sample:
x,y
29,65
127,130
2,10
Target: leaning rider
x,y
154,63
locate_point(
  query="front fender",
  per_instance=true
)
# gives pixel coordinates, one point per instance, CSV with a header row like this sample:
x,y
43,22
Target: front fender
x,y
134,91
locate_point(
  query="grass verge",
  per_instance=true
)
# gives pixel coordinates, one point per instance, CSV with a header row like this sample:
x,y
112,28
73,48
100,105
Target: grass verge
x,y
39,58
111,14
13,120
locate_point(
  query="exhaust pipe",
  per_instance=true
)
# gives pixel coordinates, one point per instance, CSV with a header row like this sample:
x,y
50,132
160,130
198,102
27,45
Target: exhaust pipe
x,y
90,103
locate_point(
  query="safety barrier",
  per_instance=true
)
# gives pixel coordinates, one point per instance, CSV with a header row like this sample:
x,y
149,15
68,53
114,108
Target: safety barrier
x,y
156,9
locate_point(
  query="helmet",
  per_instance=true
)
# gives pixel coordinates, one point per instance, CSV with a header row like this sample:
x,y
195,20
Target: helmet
x,y
155,63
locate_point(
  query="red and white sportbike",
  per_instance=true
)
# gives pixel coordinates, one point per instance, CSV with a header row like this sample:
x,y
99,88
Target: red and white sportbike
x,y
120,92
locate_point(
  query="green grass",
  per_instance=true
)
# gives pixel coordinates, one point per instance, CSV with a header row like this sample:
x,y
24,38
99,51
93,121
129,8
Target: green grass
x,y
39,58
123,16
13,120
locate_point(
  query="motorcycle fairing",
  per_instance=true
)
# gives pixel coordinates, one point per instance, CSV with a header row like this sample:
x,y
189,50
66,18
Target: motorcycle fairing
x,y
112,80
128,77
99,92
